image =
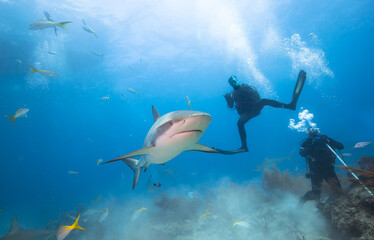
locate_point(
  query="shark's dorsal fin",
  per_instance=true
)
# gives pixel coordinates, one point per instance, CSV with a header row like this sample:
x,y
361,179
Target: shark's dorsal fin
x,y
202,148
15,226
155,113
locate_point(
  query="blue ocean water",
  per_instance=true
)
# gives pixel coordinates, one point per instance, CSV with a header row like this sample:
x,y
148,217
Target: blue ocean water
x,y
165,51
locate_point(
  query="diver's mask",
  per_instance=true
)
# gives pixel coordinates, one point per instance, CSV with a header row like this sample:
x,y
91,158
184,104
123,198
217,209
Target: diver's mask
x,y
233,81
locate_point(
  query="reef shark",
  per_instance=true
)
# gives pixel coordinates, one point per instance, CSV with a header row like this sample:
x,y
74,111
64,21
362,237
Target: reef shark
x,y
16,233
170,135
270,162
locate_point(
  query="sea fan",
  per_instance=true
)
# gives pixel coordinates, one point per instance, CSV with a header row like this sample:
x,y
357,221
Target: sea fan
x,y
366,176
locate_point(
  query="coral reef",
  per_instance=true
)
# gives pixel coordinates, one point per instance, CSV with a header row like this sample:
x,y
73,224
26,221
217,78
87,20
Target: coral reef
x,y
353,216
366,163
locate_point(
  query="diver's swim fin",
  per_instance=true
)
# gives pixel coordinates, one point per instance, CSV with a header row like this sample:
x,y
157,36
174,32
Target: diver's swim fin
x,y
298,87
240,150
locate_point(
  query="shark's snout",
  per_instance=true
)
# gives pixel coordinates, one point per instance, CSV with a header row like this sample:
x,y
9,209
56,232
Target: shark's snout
x,y
195,123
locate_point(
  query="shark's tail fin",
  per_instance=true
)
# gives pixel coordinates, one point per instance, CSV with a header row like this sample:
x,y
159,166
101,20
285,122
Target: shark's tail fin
x,y
15,225
133,164
34,70
62,25
12,118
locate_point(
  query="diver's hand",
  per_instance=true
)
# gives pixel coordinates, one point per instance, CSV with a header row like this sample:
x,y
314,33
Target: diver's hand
x,y
227,96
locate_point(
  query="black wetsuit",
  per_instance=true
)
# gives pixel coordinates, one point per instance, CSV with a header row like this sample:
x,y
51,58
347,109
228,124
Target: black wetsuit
x,y
320,161
248,104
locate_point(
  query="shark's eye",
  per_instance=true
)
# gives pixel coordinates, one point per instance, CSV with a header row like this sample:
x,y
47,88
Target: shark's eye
x,y
171,123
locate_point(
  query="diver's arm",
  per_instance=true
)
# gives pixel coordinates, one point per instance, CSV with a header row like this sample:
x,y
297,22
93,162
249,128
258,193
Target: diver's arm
x,y
305,149
303,152
229,100
335,144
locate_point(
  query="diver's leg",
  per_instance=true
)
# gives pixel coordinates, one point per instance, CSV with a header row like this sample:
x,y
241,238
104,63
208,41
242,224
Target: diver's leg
x,y
243,136
292,105
332,178
244,118
317,180
315,193
272,103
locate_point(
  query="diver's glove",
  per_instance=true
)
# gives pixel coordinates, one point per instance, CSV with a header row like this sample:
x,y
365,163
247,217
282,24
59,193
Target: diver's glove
x,y
227,96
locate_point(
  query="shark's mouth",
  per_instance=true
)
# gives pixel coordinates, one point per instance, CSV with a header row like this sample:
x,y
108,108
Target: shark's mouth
x,y
187,132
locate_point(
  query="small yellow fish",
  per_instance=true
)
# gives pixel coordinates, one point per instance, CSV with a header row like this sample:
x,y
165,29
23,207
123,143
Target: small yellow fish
x,y
136,214
89,139
347,154
1,210
133,91
201,218
188,101
65,230
43,24
104,215
73,172
22,112
241,224
99,161
105,98
46,73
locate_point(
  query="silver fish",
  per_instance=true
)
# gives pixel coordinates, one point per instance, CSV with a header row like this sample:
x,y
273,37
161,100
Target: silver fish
x,y
88,28
361,144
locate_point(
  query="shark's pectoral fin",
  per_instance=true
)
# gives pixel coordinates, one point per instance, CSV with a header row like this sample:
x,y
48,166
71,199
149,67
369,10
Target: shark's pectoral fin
x,y
202,148
143,151
133,164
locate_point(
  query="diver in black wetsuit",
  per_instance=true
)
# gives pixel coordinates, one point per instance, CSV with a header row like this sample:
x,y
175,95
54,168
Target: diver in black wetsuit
x,y
320,161
248,104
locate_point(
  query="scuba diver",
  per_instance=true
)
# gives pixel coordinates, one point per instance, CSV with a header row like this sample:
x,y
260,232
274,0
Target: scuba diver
x,y
248,104
320,162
